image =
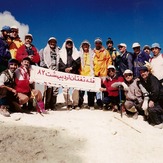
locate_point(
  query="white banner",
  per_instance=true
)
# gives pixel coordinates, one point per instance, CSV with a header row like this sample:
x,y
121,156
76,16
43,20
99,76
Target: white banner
x,y
60,79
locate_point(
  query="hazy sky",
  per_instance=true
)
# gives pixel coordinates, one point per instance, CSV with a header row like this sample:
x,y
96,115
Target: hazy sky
x,y
125,21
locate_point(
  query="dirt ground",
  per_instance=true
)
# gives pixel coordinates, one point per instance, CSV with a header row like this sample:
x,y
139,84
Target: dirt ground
x,y
78,136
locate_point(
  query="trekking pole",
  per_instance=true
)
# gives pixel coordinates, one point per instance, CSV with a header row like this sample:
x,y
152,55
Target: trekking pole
x,y
120,100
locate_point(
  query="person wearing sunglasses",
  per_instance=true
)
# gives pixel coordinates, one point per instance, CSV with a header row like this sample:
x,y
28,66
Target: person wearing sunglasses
x,y
14,42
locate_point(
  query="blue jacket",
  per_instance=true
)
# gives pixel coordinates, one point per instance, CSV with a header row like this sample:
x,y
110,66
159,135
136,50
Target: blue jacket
x,y
139,61
4,52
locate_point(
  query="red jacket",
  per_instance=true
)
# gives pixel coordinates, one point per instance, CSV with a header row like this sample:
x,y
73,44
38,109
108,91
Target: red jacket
x,y
111,90
22,53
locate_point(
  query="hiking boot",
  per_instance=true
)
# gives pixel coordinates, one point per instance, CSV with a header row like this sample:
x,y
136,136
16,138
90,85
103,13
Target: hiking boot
x,y
4,111
115,108
91,108
69,107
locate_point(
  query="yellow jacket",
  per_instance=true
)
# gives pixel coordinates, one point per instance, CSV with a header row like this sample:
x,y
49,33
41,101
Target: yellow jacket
x,y
87,65
102,60
14,45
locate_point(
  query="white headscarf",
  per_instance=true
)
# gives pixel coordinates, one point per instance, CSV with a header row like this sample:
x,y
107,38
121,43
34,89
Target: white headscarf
x,y
63,52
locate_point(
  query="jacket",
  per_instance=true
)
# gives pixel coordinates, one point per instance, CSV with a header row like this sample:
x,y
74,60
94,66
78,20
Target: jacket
x,y
22,53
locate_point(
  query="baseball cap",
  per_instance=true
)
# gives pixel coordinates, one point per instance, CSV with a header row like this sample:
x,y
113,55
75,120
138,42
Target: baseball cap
x,y
111,66
13,61
146,47
122,44
6,28
136,44
14,27
127,72
98,40
29,35
143,68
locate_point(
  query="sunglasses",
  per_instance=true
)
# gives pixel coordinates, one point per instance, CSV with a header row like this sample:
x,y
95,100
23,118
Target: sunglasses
x,y
120,47
14,31
126,75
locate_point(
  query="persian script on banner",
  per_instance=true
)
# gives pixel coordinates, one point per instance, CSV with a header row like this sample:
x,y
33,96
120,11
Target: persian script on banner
x,y
60,79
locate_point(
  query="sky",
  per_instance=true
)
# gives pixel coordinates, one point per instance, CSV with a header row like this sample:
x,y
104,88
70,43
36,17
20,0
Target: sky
x,y
125,21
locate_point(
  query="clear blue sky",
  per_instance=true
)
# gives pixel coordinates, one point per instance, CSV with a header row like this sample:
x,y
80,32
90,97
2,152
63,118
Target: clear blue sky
x,y
125,21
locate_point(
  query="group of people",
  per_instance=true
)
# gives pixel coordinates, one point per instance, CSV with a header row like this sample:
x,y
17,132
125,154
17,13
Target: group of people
x,y
132,78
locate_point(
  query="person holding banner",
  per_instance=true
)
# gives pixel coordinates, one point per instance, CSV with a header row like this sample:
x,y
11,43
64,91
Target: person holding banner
x,y
69,62
50,60
86,55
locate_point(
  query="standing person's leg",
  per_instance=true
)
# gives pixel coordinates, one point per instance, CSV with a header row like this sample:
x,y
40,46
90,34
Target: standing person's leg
x,y
48,98
98,98
81,99
67,97
91,99
75,98
54,98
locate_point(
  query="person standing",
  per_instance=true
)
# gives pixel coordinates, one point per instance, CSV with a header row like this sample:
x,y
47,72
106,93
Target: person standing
x,y
70,62
101,61
28,50
112,51
139,58
14,42
147,49
123,61
86,55
4,49
50,60
156,62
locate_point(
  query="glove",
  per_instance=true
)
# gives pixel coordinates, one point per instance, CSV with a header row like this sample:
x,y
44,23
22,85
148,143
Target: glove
x,y
145,105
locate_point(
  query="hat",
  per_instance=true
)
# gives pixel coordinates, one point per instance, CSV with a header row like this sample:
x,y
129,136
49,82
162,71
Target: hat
x,y
98,40
136,44
127,72
14,27
143,68
29,35
27,58
146,47
52,38
155,45
109,41
122,44
111,66
6,28
13,61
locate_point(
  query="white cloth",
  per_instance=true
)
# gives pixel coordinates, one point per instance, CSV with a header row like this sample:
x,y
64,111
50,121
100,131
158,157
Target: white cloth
x,y
63,53
157,66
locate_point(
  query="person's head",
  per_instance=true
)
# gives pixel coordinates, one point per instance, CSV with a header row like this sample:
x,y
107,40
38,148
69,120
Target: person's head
x,y
98,43
14,31
26,62
85,46
12,65
147,49
111,71
5,31
69,43
28,39
109,43
52,42
136,47
144,72
155,48
122,47
128,75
